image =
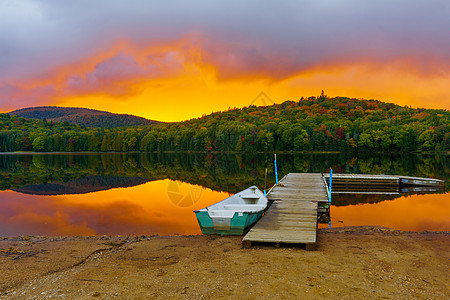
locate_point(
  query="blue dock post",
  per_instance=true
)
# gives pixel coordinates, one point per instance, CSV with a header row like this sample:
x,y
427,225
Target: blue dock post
x,y
329,188
329,194
265,183
276,171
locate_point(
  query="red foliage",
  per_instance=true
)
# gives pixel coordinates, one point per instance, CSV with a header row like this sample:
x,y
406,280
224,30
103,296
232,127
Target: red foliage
x,y
340,132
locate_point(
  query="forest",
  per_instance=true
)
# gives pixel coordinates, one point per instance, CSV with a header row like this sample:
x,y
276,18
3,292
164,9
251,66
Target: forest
x,y
311,124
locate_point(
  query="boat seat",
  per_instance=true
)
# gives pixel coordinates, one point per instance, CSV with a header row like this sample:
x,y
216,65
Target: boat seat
x,y
251,196
221,213
243,207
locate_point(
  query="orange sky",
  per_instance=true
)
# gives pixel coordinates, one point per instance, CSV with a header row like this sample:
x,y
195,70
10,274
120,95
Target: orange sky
x,y
175,82
175,62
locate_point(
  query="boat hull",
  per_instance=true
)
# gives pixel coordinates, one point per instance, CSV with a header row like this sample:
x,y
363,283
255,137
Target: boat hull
x,y
237,225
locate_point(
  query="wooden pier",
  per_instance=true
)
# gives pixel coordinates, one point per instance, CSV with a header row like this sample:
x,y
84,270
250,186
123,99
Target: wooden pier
x,y
382,181
297,198
292,218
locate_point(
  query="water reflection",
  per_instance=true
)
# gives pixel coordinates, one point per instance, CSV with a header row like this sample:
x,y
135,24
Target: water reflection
x,y
411,213
82,185
143,209
221,172
148,193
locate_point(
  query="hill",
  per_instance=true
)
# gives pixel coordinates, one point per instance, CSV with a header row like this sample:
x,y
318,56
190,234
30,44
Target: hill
x,y
81,116
309,124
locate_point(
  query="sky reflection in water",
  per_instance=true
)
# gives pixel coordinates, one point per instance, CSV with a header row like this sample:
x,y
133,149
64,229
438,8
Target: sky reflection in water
x,y
87,201
410,213
165,207
156,207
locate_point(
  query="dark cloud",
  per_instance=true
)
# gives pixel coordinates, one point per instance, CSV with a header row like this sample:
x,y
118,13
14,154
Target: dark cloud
x,y
239,37
115,74
118,68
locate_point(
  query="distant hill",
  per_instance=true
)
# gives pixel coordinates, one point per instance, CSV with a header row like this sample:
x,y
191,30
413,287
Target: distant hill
x,y
81,116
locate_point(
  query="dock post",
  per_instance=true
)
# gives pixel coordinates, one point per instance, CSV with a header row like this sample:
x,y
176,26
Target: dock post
x,y
329,195
276,171
265,182
329,188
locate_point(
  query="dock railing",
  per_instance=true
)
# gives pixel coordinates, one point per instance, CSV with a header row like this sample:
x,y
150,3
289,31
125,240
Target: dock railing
x,y
270,190
328,187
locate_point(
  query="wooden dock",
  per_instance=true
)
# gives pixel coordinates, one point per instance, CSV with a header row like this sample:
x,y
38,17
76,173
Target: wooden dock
x,y
383,181
292,218
298,197
364,180
418,181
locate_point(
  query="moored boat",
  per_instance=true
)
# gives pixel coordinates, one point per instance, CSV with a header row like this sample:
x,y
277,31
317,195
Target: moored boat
x,y
233,215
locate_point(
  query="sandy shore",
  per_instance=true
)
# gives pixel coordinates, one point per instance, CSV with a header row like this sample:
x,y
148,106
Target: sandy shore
x,y
352,262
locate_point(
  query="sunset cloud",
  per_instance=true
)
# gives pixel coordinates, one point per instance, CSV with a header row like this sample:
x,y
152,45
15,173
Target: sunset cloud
x,y
85,52
12,96
118,74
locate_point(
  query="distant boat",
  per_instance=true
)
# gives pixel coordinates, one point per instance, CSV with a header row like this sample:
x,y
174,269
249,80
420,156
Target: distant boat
x,y
234,215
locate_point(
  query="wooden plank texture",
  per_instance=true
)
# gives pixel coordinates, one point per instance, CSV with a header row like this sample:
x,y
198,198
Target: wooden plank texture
x,y
292,218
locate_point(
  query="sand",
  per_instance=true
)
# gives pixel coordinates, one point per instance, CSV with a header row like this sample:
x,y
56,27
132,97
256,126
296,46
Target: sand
x,y
352,262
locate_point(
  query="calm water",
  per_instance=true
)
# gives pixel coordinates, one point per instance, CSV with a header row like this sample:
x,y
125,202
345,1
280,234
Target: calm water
x,y
119,194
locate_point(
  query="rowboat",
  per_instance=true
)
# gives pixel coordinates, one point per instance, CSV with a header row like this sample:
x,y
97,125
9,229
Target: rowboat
x,y
233,215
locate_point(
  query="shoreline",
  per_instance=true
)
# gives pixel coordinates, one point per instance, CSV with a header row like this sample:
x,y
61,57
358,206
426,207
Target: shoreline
x,y
349,262
356,153
358,228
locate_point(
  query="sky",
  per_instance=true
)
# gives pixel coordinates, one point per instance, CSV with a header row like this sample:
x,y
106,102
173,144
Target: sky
x,y
175,60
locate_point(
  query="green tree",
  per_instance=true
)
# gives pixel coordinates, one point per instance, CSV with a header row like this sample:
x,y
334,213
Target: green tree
x,y
39,143
427,140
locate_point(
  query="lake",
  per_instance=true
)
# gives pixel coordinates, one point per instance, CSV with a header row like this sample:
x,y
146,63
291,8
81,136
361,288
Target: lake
x,y
156,193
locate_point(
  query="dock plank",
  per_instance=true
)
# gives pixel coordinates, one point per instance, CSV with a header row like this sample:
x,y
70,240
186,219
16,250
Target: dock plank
x,y
292,218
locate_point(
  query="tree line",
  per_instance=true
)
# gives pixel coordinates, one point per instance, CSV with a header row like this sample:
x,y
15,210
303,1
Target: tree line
x,y
310,124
